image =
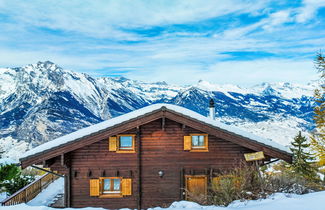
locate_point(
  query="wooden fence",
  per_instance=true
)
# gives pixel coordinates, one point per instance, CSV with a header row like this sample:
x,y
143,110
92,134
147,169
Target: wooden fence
x,y
30,191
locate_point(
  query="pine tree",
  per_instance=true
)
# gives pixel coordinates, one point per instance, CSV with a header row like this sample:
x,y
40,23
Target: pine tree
x,y
302,164
318,135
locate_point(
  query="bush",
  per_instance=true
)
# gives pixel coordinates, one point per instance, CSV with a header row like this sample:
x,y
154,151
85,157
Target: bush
x,y
13,185
8,172
245,183
240,183
12,178
225,190
197,198
285,179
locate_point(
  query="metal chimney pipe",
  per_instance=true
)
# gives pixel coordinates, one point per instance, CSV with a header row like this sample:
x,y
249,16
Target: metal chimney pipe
x,y
212,110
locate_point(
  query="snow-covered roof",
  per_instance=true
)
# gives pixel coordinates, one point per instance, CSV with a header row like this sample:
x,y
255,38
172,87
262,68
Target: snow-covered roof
x,y
143,111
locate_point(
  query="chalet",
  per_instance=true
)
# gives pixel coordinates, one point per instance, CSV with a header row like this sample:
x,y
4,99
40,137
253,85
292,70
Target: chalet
x,y
149,157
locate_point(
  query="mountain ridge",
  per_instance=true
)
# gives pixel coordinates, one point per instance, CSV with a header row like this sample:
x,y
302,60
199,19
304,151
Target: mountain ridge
x,y
40,102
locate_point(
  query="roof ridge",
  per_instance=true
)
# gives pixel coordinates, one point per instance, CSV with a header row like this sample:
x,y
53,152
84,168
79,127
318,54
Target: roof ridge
x,y
81,133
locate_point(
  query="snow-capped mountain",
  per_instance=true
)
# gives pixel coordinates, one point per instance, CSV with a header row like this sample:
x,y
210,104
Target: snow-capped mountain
x,y
41,102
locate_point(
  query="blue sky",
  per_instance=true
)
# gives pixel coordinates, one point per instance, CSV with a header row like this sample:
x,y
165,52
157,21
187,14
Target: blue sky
x,y
180,42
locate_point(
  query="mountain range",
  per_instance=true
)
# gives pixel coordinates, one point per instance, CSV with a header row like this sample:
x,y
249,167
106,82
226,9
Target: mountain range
x,y
40,102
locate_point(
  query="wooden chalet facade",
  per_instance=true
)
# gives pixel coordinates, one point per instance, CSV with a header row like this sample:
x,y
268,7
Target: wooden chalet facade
x,y
149,157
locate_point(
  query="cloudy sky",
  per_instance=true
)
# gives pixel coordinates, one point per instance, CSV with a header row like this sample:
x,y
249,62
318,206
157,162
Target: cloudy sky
x,y
178,41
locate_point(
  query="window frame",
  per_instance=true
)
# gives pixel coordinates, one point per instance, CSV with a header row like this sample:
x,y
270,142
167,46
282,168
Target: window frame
x,y
125,150
204,148
109,194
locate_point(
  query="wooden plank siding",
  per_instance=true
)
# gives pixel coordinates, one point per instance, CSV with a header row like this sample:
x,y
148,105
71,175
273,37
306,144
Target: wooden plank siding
x,y
96,158
163,150
223,134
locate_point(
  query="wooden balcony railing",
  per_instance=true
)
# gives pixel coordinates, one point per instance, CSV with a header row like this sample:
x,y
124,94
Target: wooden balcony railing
x,y
30,191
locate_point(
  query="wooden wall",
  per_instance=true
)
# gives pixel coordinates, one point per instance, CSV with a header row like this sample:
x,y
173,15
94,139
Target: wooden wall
x,y
96,159
161,149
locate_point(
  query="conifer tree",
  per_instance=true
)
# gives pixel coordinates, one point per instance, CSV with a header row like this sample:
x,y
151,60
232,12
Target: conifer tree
x,y
302,164
318,135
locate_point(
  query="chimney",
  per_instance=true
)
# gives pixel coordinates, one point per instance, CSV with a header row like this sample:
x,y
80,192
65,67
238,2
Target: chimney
x,y
212,111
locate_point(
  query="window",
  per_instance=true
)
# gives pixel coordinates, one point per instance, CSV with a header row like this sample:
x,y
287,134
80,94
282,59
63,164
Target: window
x,y
196,143
110,187
126,142
122,143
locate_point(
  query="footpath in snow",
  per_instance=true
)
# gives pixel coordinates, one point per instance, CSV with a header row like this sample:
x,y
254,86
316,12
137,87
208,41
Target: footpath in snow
x,y
278,201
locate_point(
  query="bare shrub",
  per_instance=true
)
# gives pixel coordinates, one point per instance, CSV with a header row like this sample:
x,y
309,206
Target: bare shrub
x,y
197,197
285,180
240,183
245,183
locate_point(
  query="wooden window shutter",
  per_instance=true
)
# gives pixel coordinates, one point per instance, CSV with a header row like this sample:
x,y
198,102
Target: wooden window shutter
x,y
206,141
187,142
94,187
126,186
112,144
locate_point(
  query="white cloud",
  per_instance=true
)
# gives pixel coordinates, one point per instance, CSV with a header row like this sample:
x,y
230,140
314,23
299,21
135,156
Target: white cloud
x,y
182,60
175,56
277,19
232,72
307,12
106,18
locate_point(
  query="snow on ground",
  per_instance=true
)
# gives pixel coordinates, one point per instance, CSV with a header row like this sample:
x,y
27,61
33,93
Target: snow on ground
x,y
47,195
26,207
3,195
278,201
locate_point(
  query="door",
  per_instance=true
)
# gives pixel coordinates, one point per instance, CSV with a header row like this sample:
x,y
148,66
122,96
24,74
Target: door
x,y
196,188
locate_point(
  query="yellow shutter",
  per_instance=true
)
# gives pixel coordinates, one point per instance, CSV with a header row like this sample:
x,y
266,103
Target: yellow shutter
x,y
187,142
112,143
206,141
126,186
94,187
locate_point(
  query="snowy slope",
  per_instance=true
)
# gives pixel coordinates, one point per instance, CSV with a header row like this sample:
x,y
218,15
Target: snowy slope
x,y
40,102
279,201
47,195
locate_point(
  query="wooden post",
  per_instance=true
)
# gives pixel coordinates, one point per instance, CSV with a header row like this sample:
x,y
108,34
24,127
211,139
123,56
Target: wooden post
x,y
65,191
182,184
211,174
62,160
25,196
40,186
138,139
67,179
69,187
163,121
259,175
